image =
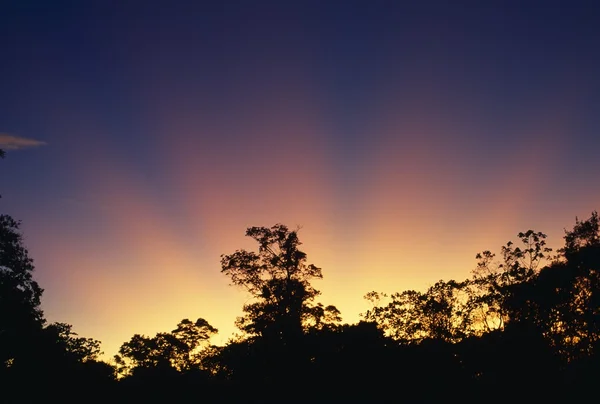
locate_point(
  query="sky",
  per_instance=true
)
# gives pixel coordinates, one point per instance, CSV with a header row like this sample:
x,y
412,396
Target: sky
x,y
402,137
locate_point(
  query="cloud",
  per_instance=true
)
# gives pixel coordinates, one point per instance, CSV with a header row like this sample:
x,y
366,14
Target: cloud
x,y
12,142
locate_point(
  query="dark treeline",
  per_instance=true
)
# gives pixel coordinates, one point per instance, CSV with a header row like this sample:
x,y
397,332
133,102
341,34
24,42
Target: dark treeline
x,y
525,326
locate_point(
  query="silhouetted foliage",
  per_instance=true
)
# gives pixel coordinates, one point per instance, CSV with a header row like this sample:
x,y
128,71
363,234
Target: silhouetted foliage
x,y
563,301
585,234
39,363
179,350
21,318
273,349
278,277
525,326
80,349
439,313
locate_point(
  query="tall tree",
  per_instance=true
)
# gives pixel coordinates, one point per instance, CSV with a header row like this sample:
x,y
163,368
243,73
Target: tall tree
x,y
21,317
279,278
180,349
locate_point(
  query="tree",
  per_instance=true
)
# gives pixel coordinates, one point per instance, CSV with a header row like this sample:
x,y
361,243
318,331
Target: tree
x,y
80,349
21,318
557,302
179,349
194,337
563,300
321,317
273,349
279,278
411,316
584,234
494,283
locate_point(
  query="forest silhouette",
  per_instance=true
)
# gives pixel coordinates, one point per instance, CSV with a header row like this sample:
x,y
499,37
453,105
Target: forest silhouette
x,y
524,326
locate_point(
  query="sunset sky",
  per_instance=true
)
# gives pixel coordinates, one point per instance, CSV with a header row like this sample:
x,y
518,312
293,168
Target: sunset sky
x,y
144,137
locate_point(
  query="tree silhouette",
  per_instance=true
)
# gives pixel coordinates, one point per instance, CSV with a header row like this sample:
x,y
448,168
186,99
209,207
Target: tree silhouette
x,y
278,277
52,358
525,324
21,318
274,351
584,234
411,316
493,282
179,350
563,300
80,349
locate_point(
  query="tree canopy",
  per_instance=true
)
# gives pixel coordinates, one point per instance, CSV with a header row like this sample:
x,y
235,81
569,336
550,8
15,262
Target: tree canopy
x,y
21,316
180,349
525,318
279,278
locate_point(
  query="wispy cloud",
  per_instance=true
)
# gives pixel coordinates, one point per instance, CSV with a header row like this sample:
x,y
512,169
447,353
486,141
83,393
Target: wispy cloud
x,y
12,142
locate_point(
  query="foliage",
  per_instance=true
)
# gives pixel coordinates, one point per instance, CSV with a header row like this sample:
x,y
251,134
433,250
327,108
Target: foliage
x,y
79,348
181,349
522,320
452,310
493,282
411,316
20,314
584,234
278,277
563,301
